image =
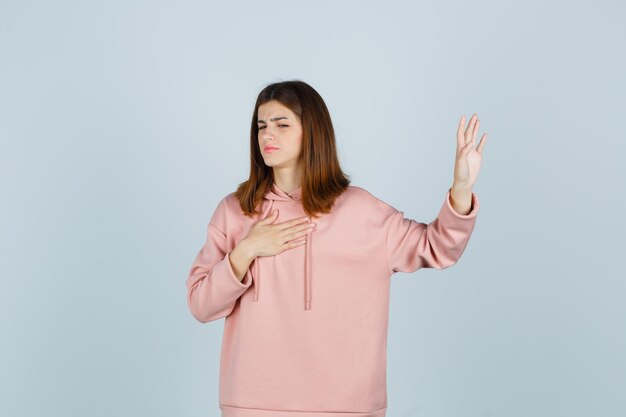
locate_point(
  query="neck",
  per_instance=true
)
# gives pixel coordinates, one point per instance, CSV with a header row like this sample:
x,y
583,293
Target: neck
x,y
287,181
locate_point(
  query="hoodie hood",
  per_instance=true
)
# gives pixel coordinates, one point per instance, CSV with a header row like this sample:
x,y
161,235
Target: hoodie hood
x,y
273,195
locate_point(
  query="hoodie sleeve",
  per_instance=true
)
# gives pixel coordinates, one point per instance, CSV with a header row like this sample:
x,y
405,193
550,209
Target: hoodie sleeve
x,y
412,245
212,286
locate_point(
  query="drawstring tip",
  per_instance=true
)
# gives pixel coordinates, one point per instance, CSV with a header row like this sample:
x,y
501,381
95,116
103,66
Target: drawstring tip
x,y
307,305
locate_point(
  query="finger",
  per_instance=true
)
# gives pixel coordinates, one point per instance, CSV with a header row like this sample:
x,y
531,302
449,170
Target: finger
x,y
481,144
460,140
295,239
295,243
470,128
288,223
270,217
467,148
301,226
297,233
476,126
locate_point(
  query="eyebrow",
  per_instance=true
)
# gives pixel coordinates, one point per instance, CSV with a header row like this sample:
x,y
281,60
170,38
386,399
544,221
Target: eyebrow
x,y
272,119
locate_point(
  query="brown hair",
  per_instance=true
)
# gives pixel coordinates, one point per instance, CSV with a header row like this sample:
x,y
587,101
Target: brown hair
x,y
323,180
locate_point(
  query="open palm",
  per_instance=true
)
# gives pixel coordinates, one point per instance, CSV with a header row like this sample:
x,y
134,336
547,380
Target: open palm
x,y
468,157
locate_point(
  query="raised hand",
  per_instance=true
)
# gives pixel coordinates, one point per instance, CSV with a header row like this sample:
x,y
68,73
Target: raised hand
x,y
468,158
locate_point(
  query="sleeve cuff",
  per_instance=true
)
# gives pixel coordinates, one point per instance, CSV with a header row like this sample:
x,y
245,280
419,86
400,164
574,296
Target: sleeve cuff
x,y
474,207
247,279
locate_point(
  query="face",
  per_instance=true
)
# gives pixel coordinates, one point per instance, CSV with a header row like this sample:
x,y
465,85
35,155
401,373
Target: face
x,y
279,129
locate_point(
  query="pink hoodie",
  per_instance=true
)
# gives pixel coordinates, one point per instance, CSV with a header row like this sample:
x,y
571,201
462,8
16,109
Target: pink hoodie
x,y
310,338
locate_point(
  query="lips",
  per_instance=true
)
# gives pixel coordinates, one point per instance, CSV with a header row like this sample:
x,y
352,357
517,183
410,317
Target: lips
x,y
270,149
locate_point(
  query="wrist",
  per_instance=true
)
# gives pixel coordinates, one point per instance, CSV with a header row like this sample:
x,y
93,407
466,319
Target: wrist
x,y
246,249
461,199
461,188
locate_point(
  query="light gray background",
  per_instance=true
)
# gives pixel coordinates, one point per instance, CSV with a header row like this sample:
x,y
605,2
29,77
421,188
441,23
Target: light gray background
x,y
123,123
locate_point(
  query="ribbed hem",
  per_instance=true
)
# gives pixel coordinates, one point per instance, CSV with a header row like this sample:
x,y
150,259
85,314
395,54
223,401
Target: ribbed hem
x,y
230,411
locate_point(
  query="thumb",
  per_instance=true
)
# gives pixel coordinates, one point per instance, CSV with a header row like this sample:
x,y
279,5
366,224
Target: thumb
x,y
272,216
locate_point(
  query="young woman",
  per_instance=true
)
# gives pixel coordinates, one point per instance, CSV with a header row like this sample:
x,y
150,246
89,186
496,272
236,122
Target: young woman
x,y
298,262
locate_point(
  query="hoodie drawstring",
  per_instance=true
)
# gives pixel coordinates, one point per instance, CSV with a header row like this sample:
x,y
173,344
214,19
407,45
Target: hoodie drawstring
x,y
257,275
277,194
307,273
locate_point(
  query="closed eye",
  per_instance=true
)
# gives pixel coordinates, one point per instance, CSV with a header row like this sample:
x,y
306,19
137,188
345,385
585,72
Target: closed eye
x,y
261,127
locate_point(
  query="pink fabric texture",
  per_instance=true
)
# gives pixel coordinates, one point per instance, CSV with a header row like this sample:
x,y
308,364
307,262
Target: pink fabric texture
x,y
305,331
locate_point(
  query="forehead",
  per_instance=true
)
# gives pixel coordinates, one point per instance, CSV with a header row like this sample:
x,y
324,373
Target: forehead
x,y
273,110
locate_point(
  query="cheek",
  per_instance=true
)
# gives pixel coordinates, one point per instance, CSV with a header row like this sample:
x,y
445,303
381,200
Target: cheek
x,y
298,140
296,144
